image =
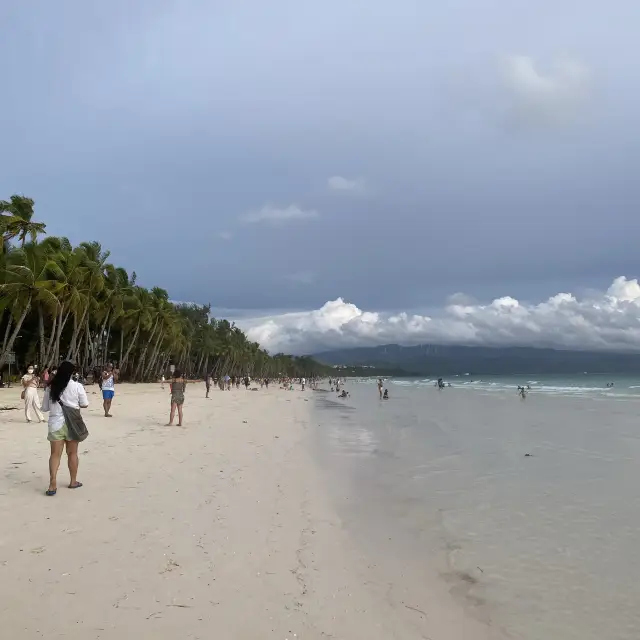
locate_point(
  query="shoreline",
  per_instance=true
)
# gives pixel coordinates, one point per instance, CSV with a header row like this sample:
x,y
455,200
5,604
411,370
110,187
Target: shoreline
x,y
223,527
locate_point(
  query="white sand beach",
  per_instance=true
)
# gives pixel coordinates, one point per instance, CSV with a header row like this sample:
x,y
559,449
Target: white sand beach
x,y
220,529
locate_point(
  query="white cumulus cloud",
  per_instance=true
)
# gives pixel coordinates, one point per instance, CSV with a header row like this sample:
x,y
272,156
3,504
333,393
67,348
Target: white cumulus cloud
x,y
339,183
274,215
608,320
545,97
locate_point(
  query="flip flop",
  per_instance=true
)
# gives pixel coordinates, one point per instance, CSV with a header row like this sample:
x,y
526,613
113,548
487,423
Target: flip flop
x,y
76,486
51,492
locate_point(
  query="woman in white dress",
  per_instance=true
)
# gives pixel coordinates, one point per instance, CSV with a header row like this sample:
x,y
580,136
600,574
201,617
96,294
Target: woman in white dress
x,y
30,382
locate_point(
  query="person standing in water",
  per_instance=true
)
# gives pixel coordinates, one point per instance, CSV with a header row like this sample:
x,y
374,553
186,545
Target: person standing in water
x,y
109,379
380,385
30,382
177,386
62,389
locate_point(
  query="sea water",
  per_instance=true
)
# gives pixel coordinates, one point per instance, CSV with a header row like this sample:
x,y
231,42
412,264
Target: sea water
x,y
528,510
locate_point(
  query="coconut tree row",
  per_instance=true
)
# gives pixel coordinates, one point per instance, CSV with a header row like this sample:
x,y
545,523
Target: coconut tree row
x,y
59,302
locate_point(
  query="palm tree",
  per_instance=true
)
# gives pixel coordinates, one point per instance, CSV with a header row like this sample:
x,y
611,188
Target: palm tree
x,y
26,280
16,221
61,299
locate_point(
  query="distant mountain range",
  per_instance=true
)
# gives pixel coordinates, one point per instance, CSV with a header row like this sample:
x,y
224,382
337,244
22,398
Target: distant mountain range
x,y
446,360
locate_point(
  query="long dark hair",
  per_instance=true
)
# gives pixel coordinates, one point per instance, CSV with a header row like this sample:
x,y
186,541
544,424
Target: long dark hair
x,y
61,379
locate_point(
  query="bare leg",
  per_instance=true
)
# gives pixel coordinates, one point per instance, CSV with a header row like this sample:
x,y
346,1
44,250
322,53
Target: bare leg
x,y
72,459
179,415
172,415
107,408
57,446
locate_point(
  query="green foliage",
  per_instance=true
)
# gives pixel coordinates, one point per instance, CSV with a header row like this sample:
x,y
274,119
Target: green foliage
x,y
58,301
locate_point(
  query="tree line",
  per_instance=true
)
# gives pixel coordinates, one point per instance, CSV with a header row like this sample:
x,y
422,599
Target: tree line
x,y
59,301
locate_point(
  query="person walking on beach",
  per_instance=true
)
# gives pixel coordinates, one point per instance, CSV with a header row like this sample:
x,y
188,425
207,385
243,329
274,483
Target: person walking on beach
x,y
303,383
247,382
30,382
207,383
62,389
108,386
177,388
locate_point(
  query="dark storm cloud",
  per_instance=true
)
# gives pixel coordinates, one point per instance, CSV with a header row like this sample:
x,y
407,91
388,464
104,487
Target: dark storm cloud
x,y
277,155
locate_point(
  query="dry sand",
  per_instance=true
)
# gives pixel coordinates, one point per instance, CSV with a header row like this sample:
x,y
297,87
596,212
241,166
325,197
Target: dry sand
x,y
220,529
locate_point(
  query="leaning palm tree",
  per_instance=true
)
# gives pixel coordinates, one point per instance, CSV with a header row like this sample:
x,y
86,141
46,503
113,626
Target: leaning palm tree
x,y
16,220
26,281
56,299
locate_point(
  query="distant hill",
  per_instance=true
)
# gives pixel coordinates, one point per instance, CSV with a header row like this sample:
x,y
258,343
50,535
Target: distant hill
x,y
446,360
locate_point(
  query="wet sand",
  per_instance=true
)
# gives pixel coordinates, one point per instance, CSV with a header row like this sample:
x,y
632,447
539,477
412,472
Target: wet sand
x,y
223,528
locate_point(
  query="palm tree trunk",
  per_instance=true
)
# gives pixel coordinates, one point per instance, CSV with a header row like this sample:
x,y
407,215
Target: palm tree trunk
x,y
199,365
61,323
144,352
7,331
165,364
133,341
154,354
14,335
77,328
76,353
72,344
87,346
97,343
106,342
51,339
41,332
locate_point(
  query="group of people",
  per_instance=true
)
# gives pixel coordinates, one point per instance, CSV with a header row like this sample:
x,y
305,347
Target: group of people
x,y
65,393
62,390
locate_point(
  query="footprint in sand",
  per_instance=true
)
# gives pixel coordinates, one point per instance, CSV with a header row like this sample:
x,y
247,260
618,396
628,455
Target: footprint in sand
x,y
171,565
38,550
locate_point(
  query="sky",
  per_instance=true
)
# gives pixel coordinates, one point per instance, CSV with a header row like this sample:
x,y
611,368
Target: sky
x,y
343,172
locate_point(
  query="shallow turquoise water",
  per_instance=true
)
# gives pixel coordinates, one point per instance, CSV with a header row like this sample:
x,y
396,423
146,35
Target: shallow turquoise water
x,y
578,384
